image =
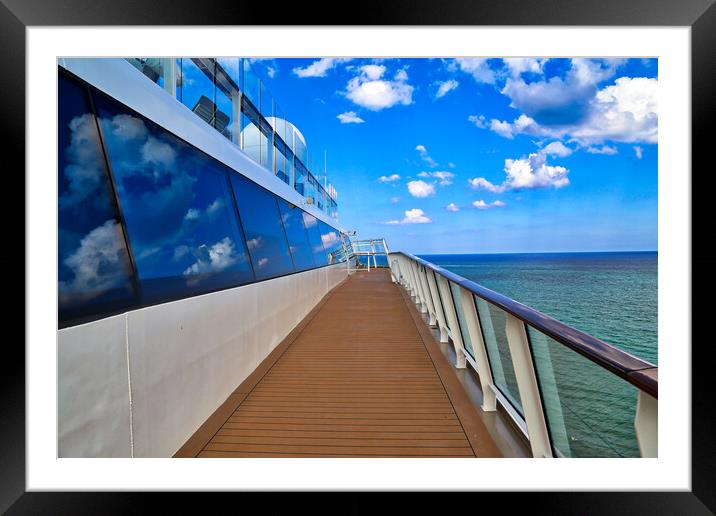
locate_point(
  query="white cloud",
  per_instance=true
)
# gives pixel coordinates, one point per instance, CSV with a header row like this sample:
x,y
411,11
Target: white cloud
x,y
475,66
444,177
329,238
84,167
625,111
214,207
372,71
557,149
350,117
452,207
413,216
425,156
482,205
604,149
560,101
533,172
638,152
389,179
319,68
526,173
521,125
215,258
192,214
504,129
394,200
98,263
271,71
479,120
401,75
420,188
480,183
519,65
446,87
371,91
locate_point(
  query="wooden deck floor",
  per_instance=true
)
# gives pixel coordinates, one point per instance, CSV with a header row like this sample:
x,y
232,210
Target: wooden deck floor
x,y
360,377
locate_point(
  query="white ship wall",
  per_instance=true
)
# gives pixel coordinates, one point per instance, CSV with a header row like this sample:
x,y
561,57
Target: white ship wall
x,y
139,384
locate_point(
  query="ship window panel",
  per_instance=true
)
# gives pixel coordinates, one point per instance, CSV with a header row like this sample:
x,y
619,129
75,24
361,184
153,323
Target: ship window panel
x,y
265,236
331,241
589,411
461,320
177,207
94,270
199,91
493,322
299,245
314,237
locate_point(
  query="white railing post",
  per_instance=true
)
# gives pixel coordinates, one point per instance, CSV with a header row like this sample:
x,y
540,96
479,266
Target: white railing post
x,y
646,424
422,305
416,285
487,382
426,292
394,268
439,308
453,326
528,387
409,277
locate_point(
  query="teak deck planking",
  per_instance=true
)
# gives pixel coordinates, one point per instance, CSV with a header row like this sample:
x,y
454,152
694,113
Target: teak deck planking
x,y
361,376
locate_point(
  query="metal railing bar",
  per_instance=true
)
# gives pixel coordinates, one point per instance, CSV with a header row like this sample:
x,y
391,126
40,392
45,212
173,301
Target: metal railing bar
x,y
634,370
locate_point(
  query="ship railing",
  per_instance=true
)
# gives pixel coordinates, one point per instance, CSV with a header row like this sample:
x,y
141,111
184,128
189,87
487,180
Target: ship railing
x,y
369,253
570,394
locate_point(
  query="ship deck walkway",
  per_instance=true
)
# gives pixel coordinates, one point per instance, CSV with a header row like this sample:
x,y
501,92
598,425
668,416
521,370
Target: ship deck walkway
x,y
360,376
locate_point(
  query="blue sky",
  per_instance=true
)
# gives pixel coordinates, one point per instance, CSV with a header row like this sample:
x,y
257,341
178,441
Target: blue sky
x,y
483,155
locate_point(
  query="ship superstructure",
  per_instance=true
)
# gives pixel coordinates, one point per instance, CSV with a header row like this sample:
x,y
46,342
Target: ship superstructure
x,y
211,304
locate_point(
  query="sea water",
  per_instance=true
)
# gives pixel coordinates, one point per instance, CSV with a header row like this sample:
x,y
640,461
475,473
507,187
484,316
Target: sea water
x,y
612,296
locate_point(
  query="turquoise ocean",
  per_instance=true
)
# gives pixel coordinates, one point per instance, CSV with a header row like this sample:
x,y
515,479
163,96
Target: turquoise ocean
x,y
612,296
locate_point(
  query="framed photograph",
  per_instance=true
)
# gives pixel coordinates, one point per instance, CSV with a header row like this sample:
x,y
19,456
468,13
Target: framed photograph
x,y
431,250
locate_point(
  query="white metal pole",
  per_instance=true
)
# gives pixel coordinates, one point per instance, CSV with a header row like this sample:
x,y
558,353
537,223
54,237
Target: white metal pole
x,y
439,308
451,316
487,382
528,387
646,424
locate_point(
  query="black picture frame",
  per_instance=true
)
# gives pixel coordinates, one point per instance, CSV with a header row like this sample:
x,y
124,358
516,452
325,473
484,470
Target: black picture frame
x,y
700,15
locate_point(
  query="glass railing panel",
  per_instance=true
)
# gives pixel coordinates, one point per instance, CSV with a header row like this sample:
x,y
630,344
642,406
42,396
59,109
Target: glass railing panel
x,y
198,91
589,411
493,322
150,67
250,134
227,95
250,83
461,318
439,307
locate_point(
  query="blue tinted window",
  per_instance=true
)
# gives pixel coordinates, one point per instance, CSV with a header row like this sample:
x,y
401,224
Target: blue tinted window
x,y
297,236
177,207
265,237
320,257
94,273
331,239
